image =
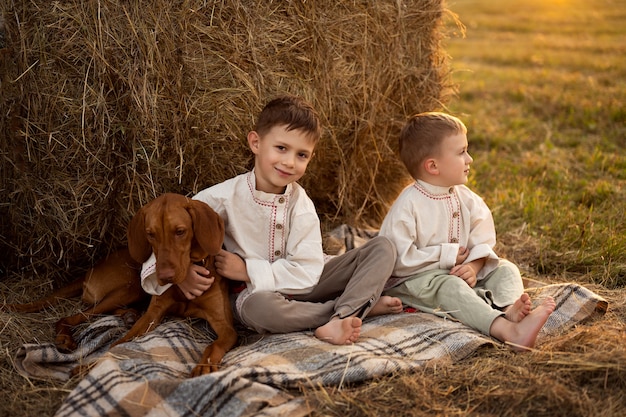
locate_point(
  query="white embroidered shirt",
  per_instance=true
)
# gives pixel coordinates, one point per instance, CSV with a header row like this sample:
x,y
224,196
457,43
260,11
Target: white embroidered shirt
x,y
428,224
278,235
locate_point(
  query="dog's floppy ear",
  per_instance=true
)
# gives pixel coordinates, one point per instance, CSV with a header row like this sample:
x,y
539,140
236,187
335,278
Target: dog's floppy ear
x,y
138,245
208,227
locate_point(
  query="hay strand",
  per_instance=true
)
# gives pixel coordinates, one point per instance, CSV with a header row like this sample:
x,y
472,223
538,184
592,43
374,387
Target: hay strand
x,y
111,103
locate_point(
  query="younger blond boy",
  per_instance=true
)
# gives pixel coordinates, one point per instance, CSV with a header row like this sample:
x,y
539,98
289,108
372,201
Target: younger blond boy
x,y
444,237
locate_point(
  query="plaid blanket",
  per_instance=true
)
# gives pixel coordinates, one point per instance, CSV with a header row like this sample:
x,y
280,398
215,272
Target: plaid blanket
x,y
149,376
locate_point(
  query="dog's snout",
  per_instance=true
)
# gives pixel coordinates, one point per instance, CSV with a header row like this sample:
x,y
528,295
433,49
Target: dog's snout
x,y
165,275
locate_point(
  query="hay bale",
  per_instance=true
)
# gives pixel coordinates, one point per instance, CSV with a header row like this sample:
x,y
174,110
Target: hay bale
x,y
106,104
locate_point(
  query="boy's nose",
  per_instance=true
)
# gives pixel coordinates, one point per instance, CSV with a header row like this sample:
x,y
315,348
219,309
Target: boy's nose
x,y
288,160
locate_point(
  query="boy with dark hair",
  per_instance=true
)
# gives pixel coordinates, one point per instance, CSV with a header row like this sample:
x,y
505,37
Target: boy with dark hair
x,y
273,241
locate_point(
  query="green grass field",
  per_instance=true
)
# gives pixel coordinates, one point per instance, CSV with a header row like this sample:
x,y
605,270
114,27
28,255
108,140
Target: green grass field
x,y
542,88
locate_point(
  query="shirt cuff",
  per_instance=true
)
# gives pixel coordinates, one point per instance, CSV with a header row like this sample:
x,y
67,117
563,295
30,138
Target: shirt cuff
x,y
149,281
261,275
449,252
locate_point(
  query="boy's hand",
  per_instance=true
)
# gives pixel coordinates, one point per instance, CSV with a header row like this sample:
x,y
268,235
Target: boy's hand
x,y
231,266
198,280
466,273
462,255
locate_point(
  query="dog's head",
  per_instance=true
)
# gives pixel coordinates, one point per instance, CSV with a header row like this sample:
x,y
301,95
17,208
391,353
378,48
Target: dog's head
x,y
179,231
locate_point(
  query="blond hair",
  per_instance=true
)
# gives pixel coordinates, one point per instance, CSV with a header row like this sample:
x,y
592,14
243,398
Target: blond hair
x,y
422,135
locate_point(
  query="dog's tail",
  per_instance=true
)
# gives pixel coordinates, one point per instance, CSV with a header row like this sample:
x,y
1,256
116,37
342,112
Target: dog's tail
x,y
73,289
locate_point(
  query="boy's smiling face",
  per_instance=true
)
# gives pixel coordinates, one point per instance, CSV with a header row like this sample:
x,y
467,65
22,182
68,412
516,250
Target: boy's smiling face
x,y
281,157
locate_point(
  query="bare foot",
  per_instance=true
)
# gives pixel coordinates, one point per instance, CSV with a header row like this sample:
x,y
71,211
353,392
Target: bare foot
x,y
386,305
518,310
522,336
340,331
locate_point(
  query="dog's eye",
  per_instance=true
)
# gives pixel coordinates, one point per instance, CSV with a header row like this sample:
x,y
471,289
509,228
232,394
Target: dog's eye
x,y
149,235
180,232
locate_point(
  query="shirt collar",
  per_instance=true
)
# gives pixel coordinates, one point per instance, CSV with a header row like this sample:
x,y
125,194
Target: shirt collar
x,y
262,196
434,189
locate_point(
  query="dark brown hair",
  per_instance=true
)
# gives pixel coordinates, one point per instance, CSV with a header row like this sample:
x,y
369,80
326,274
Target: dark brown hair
x,y
291,111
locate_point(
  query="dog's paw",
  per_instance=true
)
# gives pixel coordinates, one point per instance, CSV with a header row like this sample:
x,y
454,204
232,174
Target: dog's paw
x,y
203,369
65,343
130,316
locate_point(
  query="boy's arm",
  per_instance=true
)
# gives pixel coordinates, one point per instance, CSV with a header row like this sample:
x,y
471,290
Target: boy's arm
x,y
231,266
482,238
401,227
413,259
469,271
197,281
299,269
149,279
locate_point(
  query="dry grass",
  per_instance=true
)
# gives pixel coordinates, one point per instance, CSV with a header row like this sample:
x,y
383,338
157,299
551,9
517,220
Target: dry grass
x,y
579,373
25,396
106,104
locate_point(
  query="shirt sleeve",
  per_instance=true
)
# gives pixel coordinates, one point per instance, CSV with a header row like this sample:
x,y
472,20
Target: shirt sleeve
x,y
149,279
295,271
482,237
400,226
301,267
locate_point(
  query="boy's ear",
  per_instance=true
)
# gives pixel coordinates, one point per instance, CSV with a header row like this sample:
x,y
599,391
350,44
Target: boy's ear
x,y
253,141
430,165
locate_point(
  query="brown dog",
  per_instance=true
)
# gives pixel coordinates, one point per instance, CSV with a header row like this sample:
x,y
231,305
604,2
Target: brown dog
x,y
111,286
179,231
